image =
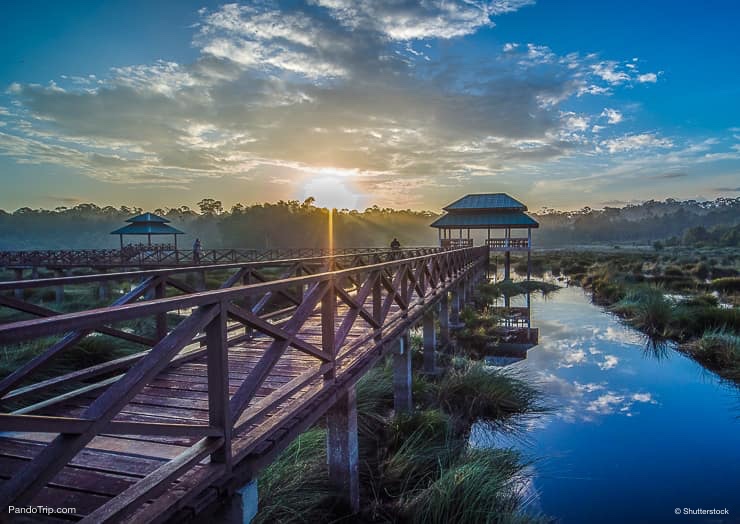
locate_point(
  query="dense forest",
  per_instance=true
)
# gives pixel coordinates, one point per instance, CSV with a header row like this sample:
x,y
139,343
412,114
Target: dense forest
x,y
293,223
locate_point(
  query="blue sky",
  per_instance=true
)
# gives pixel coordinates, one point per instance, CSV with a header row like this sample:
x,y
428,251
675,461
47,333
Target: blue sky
x,y
397,103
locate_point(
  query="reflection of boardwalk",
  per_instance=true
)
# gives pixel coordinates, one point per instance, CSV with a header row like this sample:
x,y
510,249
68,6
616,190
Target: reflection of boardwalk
x,y
217,396
516,333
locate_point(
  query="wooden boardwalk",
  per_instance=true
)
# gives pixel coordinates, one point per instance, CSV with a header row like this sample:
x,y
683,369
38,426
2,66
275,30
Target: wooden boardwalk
x,y
163,434
157,256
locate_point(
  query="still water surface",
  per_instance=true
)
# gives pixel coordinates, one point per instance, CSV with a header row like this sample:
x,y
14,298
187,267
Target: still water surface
x,y
633,435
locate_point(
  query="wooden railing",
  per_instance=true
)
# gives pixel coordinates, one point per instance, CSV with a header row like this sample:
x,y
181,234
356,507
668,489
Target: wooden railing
x,y
384,298
156,256
511,243
456,243
152,284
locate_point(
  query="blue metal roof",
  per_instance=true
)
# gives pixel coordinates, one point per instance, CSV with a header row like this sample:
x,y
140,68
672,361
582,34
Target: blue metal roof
x,y
147,217
486,201
485,220
147,229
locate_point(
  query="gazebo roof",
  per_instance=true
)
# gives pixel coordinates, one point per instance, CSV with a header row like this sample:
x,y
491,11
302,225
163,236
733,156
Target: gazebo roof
x,y
484,211
495,220
147,229
489,202
147,218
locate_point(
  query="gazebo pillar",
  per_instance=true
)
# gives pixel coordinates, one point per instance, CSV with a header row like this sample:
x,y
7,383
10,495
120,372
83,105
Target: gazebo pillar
x,y
529,253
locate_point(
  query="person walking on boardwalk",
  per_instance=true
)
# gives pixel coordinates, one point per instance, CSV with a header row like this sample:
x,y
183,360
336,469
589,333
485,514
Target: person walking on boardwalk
x,y
196,251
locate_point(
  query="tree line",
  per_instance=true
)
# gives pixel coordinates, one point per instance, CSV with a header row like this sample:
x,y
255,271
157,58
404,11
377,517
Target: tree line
x,y
294,223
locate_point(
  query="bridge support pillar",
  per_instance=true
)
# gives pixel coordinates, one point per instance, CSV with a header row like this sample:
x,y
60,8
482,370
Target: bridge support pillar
x,y
402,402
59,290
455,313
342,448
18,293
201,281
104,288
444,321
430,342
507,265
35,272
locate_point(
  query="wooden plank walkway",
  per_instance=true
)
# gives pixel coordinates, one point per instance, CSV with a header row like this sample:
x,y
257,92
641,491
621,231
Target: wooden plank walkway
x,y
275,385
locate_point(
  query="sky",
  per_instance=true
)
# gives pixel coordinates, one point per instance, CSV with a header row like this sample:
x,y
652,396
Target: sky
x,y
391,102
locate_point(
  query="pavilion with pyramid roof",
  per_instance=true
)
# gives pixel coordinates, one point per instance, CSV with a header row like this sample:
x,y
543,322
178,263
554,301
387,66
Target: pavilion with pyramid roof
x,y
492,212
147,224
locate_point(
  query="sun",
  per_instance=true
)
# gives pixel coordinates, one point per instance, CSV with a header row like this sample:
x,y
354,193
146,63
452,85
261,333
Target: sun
x,y
330,192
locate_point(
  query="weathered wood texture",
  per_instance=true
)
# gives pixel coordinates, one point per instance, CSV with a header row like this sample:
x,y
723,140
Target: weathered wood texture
x,y
148,437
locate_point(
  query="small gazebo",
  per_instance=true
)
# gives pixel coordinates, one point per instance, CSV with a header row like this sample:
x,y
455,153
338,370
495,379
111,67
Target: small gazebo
x,y
147,224
490,211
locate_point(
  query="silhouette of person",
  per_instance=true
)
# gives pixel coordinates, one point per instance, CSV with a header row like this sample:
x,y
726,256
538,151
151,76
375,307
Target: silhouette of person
x,y
395,244
196,251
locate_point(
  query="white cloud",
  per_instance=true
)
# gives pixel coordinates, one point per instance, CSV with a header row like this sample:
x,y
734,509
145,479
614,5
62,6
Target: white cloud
x,y
608,71
574,122
644,397
647,77
413,21
632,142
335,83
572,358
610,362
612,115
605,404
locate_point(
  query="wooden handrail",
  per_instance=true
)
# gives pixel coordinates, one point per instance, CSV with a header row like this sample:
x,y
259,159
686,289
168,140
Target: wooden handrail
x,y
10,285
399,291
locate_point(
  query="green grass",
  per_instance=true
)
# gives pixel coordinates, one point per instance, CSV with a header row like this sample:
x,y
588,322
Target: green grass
x,y
726,284
719,348
406,459
473,391
487,486
295,487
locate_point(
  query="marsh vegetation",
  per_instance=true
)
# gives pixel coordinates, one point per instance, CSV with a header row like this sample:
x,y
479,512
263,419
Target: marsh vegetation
x,y
686,294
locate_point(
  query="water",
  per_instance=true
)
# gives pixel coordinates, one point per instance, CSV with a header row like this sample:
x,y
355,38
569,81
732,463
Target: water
x,y
635,434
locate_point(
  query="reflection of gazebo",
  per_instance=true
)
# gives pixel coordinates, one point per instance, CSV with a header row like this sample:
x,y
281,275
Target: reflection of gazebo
x,y
147,224
492,211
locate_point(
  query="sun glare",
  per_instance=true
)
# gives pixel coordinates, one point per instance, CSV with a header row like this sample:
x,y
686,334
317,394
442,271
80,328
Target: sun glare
x,y
331,192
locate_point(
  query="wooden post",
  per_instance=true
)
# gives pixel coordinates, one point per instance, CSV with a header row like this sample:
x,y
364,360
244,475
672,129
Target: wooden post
x,y
378,305
103,287
248,301
18,292
342,448
444,320
402,402
328,326
219,414
161,319
430,342
59,290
